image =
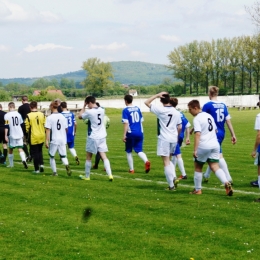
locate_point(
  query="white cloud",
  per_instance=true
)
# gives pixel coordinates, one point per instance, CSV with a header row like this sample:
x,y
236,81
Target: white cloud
x,y
3,47
170,38
46,46
13,12
110,47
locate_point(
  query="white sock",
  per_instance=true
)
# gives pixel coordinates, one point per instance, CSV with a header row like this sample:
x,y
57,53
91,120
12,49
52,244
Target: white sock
x,y
169,175
87,168
197,180
65,161
173,170
224,167
11,159
107,167
207,172
143,156
174,160
22,155
181,166
73,152
53,165
130,161
259,181
221,176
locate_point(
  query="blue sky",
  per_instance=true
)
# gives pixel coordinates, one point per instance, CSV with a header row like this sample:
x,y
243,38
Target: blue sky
x,y
41,38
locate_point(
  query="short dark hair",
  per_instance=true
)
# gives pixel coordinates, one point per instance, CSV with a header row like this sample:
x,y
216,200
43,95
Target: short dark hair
x,y
97,104
194,103
128,99
11,105
63,104
90,99
165,99
24,98
33,104
174,101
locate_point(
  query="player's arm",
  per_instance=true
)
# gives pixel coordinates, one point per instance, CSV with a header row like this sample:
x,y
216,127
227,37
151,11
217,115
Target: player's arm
x,y
6,133
196,143
27,124
151,99
126,124
82,111
187,134
231,130
47,137
257,143
179,127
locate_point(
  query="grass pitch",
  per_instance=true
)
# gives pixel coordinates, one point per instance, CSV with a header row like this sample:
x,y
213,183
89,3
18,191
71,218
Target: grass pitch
x,y
134,217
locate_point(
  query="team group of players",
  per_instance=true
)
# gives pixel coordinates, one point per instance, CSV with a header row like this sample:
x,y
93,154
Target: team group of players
x,y
30,126
59,129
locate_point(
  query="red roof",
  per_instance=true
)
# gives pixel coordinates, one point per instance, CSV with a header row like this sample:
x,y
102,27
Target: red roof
x,y
37,92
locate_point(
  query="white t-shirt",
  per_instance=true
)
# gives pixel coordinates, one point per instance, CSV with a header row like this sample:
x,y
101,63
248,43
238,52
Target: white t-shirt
x,y
205,124
96,128
257,122
14,120
169,119
57,123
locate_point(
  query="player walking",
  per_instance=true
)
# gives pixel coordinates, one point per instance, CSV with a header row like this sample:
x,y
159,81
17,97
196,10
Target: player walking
x,y
133,133
96,141
56,137
72,127
34,124
169,125
14,134
206,148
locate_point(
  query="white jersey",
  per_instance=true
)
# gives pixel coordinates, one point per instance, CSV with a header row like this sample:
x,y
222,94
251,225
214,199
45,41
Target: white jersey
x,y
96,128
14,120
205,124
58,124
257,122
169,118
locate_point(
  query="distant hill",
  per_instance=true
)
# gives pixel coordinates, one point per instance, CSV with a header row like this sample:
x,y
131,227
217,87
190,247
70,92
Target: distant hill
x,y
126,72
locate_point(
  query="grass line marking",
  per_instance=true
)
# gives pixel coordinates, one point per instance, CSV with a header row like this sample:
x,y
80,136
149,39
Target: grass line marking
x,y
157,182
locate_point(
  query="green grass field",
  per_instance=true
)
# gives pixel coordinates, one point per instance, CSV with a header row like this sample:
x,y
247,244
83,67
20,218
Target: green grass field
x,y
133,217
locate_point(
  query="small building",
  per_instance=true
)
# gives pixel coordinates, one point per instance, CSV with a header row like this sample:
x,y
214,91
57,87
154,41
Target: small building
x,y
133,92
18,97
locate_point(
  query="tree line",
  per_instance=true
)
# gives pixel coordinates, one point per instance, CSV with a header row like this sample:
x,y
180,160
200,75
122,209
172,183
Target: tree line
x,y
231,64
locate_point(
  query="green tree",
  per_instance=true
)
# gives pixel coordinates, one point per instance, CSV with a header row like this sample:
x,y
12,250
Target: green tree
x,y
4,96
99,75
67,83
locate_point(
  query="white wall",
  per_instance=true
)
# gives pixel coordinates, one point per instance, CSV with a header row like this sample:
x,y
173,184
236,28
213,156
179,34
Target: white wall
x,y
230,101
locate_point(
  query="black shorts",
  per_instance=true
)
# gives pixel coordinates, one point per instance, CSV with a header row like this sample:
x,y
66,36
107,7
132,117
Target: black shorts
x,y
2,135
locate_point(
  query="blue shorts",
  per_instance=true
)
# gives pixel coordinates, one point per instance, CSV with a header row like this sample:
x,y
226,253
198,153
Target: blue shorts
x,y
220,138
178,147
70,144
177,150
134,142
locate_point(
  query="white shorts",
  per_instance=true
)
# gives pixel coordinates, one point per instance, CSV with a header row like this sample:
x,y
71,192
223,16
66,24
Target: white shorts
x,y
53,148
165,148
15,143
96,145
207,154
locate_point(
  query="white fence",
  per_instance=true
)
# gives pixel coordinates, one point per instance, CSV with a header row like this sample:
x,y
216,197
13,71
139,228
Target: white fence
x,y
230,101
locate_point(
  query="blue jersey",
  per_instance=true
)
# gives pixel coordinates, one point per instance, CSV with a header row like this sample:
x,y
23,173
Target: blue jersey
x,y
218,110
71,125
133,116
184,123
